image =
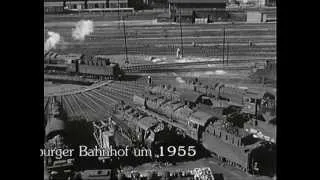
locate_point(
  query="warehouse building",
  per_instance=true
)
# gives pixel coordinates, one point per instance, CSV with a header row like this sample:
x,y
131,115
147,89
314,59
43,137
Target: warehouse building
x,y
53,6
59,6
198,4
271,3
156,3
259,3
188,10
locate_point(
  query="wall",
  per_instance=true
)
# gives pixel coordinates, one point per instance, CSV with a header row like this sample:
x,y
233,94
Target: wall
x,y
114,3
92,4
200,5
225,136
53,7
254,17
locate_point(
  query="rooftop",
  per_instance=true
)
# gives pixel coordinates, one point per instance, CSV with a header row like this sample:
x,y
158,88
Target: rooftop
x,y
197,1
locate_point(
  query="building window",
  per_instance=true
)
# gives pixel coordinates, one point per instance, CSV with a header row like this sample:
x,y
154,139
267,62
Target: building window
x,y
123,5
113,5
252,100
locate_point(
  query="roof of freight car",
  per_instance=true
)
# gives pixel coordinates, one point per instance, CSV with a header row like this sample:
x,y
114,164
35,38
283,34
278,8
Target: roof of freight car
x,y
255,94
215,112
200,117
190,96
222,125
147,122
156,89
56,65
54,124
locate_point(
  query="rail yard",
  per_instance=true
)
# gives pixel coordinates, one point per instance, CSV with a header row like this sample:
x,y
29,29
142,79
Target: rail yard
x,y
149,39
142,84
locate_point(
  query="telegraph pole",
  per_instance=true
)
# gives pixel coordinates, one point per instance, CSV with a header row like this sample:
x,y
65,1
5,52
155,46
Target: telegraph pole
x,y
224,39
119,13
181,35
125,41
227,52
227,41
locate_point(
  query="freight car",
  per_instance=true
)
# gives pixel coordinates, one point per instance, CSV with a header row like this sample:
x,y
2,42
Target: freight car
x,y
232,145
219,91
97,67
254,104
260,109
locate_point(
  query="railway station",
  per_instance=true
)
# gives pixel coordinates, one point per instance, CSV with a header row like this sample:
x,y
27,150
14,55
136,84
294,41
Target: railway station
x,y
197,89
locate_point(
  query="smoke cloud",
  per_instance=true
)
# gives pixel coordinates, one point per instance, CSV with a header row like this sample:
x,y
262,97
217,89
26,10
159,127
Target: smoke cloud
x,y
52,41
220,72
82,29
180,80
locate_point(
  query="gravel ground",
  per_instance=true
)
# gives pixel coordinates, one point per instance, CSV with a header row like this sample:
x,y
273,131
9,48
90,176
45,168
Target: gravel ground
x,y
229,173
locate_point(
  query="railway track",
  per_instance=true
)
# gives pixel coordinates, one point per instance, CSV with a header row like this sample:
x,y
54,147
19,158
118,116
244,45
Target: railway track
x,y
178,66
125,95
86,106
157,70
108,40
67,78
77,90
96,104
97,101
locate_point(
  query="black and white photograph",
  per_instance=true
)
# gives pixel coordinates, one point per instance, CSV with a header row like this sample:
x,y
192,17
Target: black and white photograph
x,y
159,89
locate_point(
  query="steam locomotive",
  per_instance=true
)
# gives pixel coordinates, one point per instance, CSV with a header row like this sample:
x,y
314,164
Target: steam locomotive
x,y
140,127
230,143
97,67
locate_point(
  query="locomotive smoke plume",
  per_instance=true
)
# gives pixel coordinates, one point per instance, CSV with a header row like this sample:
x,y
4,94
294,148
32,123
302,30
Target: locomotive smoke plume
x,y
220,72
82,29
52,41
180,80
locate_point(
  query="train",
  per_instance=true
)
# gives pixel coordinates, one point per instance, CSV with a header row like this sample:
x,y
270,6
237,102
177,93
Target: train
x,y
96,67
55,139
227,141
253,103
258,106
